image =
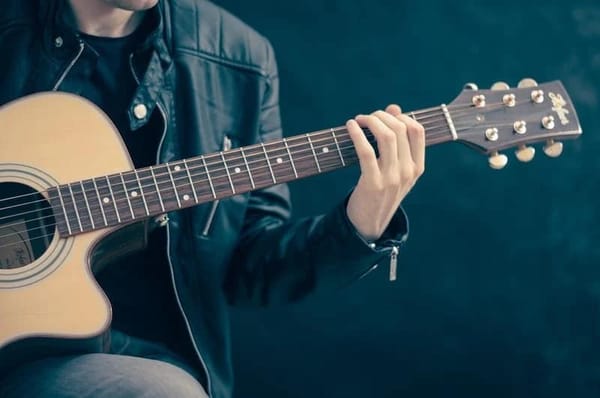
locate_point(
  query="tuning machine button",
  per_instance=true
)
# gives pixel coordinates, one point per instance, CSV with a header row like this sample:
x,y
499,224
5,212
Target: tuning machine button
x,y
491,134
548,122
509,100
500,86
520,127
537,96
497,161
553,148
525,153
479,100
471,86
527,82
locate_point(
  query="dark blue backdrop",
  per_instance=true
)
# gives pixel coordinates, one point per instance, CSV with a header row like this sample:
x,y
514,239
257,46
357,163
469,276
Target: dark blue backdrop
x,y
499,286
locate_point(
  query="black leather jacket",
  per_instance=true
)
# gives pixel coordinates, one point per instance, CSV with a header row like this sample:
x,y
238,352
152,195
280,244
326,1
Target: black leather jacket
x,y
214,80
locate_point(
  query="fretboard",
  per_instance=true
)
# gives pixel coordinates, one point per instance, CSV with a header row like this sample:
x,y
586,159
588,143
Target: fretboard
x,y
134,195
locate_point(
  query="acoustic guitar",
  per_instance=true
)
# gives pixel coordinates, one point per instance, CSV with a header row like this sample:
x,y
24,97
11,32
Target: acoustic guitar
x,y
64,194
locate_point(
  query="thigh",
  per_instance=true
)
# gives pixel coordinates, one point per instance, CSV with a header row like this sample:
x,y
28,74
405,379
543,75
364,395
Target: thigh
x,y
100,376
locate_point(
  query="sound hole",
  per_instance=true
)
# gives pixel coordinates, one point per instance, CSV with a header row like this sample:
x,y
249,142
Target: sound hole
x,y
26,225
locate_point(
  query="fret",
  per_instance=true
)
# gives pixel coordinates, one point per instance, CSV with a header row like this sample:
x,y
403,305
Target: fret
x,y
183,187
75,207
189,176
228,174
268,162
200,184
114,202
168,167
324,145
248,168
160,200
304,156
87,204
314,153
281,165
135,194
412,114
149,192
142,193
127,194
212,188
287,148
100,202
238,170
64,209
108,209
82,206
93,213
257,160
337,145
165,181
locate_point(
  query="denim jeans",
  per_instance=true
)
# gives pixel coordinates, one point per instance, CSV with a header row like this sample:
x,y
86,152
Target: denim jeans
x,y
133,369
100,376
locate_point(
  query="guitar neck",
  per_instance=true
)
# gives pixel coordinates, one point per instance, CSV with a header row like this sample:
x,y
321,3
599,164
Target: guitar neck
x,y
129,196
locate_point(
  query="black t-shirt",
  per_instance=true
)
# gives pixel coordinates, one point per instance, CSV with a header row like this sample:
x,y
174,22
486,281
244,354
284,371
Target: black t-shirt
x,y
138,286
111,86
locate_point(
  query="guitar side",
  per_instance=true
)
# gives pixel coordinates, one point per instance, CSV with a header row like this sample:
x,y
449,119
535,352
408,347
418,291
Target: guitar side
x,y
49,139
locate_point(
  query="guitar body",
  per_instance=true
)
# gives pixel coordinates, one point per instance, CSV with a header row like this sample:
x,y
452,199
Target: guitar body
x,y
49,300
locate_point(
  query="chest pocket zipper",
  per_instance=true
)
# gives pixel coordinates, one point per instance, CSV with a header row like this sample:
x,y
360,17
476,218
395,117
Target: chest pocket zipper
x,y
215,204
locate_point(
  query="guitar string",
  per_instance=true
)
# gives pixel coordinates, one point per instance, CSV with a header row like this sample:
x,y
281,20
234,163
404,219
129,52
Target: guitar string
x,y
215,180
434,134
430,134
119,191
223,182
288,139
217,156
433,112
220,181
341,130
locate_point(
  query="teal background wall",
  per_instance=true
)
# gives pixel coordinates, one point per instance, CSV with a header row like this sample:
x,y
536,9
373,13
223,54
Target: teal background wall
x,y
498,292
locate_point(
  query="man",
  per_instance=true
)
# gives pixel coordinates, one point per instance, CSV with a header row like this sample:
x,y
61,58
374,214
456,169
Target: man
x,y
180,78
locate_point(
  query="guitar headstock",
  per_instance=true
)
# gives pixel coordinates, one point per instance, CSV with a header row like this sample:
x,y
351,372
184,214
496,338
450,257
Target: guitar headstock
x,y
503,117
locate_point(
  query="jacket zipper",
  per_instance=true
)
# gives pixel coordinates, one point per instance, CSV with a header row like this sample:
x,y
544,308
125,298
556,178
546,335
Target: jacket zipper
x,y
393,262
172,273
70,66
215,204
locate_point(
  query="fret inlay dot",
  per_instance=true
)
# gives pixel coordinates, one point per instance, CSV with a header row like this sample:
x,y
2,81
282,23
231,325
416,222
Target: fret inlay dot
x,y
106,200
237,169
134,194
177,168
279,160
325,150
186,197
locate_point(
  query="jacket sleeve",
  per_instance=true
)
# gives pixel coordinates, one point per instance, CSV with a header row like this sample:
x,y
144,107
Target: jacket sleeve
x,y
278,260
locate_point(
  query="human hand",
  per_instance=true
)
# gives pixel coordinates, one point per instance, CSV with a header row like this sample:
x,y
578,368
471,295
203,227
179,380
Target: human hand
x,y
385,180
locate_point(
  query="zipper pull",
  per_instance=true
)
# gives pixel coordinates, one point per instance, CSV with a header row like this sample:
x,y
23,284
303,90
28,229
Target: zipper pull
x,y
393,263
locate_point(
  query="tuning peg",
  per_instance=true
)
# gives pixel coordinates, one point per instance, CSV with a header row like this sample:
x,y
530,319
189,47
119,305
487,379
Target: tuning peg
x,y
471,86
527,82
553,148
525,153
500,86
497,161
